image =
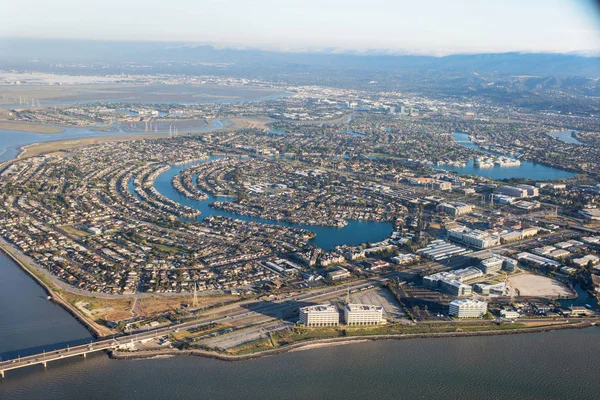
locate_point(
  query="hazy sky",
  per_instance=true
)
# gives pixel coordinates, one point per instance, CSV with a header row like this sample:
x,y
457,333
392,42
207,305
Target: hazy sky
x,y
429,26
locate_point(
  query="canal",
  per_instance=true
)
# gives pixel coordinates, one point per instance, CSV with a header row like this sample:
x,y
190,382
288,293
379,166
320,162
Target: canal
x,y
327,237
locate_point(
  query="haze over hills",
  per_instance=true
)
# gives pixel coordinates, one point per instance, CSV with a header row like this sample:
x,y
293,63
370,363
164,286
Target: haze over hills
x,y
26,53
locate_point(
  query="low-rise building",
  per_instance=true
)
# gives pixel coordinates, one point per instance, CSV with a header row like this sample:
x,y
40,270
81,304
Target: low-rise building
x,y
590,213
338,273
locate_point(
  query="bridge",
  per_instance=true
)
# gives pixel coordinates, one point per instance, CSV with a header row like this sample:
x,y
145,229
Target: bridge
x,y
45,357
266,309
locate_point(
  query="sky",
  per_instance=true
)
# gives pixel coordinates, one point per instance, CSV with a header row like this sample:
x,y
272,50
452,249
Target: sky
x,y
397,26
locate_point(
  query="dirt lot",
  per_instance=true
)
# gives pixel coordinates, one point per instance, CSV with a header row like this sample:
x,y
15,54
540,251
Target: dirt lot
x,y
153,305
538,286
244,336
380,297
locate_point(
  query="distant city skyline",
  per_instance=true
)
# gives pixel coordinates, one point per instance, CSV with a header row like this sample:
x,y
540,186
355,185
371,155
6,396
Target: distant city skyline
x,y
434,27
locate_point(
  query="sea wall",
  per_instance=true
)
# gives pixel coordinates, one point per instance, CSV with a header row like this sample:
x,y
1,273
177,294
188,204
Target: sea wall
x,y
115,354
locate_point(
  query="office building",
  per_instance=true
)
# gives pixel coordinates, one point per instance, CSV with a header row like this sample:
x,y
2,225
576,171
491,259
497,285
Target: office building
x,y
455,208
452,282
492,264
473,237
361,314
467,308
512,191
320,315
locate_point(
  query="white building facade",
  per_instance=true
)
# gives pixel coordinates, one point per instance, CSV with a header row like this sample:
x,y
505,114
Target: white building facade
x,y
467,308
361,314
320,315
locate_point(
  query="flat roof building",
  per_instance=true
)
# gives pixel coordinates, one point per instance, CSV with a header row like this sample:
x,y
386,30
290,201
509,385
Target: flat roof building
x,y
467,308
473,237
320,315
455,208
362,314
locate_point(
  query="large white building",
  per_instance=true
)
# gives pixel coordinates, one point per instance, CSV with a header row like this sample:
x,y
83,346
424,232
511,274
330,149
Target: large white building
x,y
362,314
452,282
467,308
455,208
519,191
320,315
473,237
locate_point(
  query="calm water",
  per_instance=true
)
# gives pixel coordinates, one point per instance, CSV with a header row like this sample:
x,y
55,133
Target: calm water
x,y
527,169
356,232
29,323
566,137
11,141
504,367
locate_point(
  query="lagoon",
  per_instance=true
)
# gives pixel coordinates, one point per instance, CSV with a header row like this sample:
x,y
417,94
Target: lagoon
x,y
527,169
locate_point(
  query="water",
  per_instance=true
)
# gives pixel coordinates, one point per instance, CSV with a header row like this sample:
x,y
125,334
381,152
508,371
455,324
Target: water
x,y
502,367
29,323
154,98
566,137
11,141
527,169
356,232
276,131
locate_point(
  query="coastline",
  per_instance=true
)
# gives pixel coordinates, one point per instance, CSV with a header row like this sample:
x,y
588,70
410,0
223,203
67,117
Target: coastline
x,y
53,295
313,344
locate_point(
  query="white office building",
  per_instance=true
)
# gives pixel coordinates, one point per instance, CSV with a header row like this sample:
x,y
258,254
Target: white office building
x,y
473,237
455,208
320,315
467,308
362,314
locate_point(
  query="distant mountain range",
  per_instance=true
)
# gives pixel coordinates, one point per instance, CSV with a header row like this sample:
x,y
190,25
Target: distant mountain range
x,y
180,57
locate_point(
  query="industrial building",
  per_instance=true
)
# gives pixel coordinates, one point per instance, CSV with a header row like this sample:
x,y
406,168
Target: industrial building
x,y
467,308
590,213
439,250
537,260
320,315
361,314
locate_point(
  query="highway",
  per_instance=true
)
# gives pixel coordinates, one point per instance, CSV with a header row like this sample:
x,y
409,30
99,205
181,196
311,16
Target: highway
x,y
262,311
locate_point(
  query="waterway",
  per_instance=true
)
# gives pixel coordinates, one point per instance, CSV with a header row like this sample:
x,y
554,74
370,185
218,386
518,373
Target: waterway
x,y
11,141
29,323
567,137
527,169
356,232
557,365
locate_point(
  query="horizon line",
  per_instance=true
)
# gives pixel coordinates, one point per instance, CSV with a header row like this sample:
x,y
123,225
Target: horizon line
x,y
324,50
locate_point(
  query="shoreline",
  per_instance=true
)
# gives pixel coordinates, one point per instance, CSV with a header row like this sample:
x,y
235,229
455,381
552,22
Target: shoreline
x,y
117,137
53,295
320,343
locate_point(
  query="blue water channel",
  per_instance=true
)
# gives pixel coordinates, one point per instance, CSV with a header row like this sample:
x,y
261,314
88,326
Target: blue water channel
x,y
327,237
527,169
11,141
566,137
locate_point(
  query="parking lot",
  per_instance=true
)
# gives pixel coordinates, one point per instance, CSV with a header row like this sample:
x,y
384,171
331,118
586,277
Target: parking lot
x,y
237,338
380,297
